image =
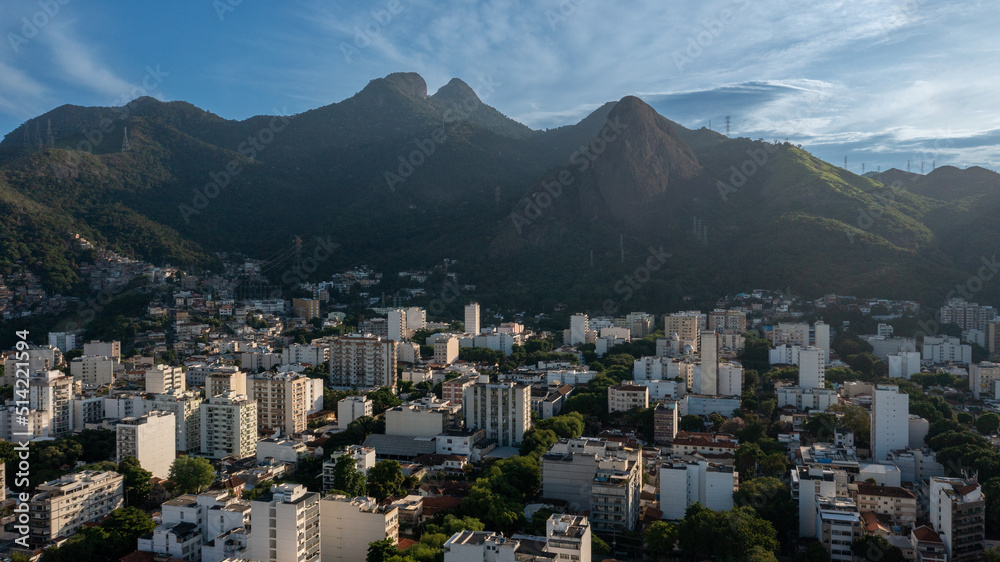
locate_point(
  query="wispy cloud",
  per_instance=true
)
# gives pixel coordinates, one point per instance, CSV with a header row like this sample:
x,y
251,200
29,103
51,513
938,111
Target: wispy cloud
x,y
79,63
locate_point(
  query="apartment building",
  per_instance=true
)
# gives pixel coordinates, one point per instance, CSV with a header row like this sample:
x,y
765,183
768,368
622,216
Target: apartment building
x,y
501,409
666,422
222,378
50,399
838,525
151,439
890,421
286,525
427,417
957,512
684,482
352,408
362,362
164,379
896,502
281,401
446,350
601,476
93,370
186,407
229,427
61,506
623,397
348,525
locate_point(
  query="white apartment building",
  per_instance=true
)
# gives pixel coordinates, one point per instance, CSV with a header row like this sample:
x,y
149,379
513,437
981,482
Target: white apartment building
x,y
352,408
982,380
706,380
362,362
623,397
229,427
945,349
111,349
93,370
792,333
416,319
601,476
63,341
501,409
50,399
903,364
821,339
684,482
286,525
281,401
812,367
446,350
396,325
661,390
838,525
807,398
61,506
151,439
281,449
225,378
186,407
957,512
890,421
164,379
348,525
579,325
730,379
427,417
305,353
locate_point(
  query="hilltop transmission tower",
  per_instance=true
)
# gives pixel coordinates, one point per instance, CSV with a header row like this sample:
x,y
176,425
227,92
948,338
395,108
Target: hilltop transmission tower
x,y
38,134
933,165
921,166
907,165
125,145
727,125
845,162
50,138
27,134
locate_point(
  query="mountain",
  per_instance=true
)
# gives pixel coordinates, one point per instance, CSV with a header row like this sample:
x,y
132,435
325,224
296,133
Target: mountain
x,y
402,179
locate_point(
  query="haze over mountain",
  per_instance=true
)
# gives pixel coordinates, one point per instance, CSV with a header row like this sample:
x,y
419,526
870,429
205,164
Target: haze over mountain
x,y
402,179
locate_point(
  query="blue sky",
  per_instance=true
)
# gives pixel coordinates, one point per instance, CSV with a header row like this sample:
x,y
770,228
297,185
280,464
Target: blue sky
x,y
877,81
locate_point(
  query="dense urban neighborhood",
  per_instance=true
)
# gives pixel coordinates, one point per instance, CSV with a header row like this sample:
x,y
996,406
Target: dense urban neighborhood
x,y
219,421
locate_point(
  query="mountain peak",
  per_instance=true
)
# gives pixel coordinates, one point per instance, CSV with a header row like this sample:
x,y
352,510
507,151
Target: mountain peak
x,y
410,83
457,91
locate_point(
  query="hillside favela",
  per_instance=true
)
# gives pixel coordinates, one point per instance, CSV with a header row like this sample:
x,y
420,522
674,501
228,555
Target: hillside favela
x,y
499,281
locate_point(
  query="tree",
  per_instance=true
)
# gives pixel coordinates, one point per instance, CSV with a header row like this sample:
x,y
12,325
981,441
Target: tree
x,y
383,399
875,547
137,480
966,418
692,422
724,534
384,479
381,551
746,457
660,538
567,426
599,545
191,475
772,500
453,523
988,423
346,477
